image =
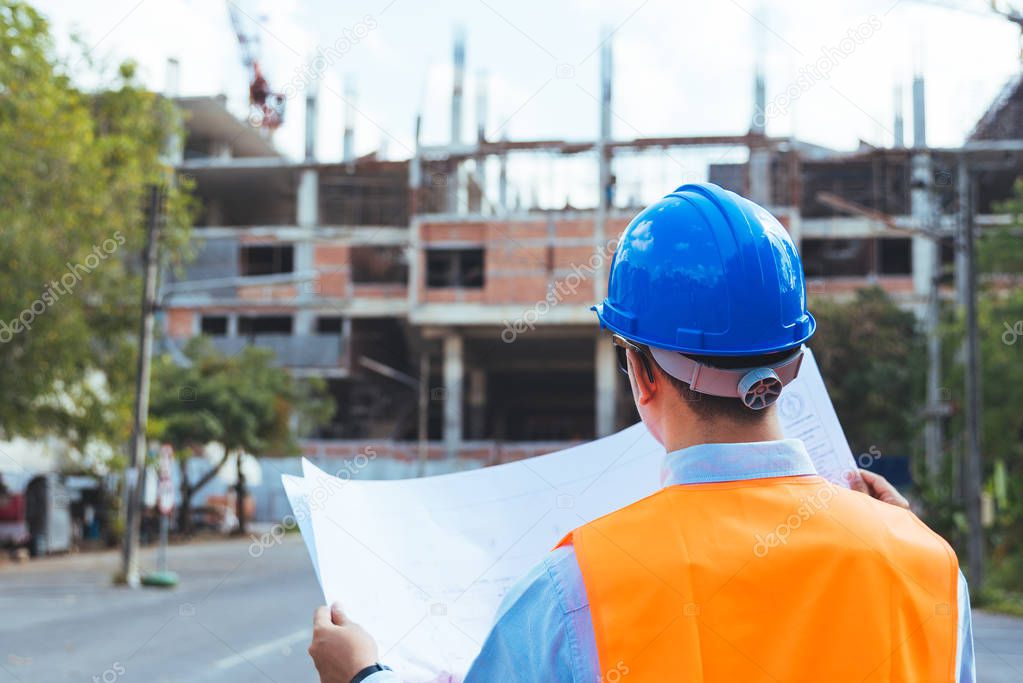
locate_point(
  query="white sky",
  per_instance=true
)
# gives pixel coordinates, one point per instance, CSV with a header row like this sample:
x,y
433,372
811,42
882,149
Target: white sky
x,y
680,67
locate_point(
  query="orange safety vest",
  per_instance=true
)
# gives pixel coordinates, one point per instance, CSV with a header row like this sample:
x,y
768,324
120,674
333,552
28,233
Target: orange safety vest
x,y
778,579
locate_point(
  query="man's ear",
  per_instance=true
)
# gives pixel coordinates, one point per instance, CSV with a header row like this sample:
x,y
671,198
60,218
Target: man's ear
x,y
644,389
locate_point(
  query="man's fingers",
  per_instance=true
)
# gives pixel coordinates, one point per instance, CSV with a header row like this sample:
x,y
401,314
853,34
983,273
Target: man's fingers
x,y
875,480
330,616
337,615
321,617
882,489
856,482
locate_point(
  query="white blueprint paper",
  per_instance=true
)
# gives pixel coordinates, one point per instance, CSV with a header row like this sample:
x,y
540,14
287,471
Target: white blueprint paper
x,y
298,496
424,563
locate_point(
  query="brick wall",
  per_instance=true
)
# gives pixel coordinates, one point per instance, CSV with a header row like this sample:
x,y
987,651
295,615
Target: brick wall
x,y
180,322
523,259
331,262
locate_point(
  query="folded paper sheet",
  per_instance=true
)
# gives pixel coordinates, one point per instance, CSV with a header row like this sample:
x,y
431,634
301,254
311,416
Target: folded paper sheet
x,y
424,563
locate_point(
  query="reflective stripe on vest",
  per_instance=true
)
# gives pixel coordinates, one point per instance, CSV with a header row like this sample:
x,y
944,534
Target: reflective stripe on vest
x,y
780,579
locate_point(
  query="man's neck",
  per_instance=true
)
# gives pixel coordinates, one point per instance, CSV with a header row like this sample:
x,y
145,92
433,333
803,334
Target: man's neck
x,y
679,434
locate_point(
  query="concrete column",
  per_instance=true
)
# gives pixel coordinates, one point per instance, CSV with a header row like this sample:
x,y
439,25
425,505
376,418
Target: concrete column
x,y
454,171
760,175
308,201
346,343
457,85
232,325
899,124
502,181
454,370
606,374
305,322
477,189
924,249
758,124
304,251
477,403
604,181
919,112
923,265
348,138
926,262
310,121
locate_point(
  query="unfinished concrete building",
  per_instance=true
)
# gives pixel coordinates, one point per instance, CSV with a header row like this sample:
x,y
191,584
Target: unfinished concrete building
x,y
451,322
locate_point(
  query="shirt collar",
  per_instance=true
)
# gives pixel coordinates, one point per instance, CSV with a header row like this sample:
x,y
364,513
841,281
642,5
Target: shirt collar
x,y
717,462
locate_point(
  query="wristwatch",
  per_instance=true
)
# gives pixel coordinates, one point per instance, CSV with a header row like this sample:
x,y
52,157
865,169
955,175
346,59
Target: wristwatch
x,y
369,671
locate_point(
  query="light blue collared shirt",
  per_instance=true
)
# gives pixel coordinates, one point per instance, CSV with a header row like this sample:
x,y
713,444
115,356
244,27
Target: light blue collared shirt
x,y
544,631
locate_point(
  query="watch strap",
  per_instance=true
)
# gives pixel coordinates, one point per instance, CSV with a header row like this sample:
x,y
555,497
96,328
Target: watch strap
x,y
369,671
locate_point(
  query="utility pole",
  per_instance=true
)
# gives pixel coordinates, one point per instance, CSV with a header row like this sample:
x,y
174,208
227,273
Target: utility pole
x,y
972,461
927,248
926,273
137,449
936,411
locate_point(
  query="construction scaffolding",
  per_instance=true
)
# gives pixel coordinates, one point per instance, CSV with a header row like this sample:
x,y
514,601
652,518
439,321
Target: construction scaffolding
x,y
448,306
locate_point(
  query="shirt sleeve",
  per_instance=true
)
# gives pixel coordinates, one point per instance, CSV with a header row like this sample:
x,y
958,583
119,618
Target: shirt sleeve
x,y
966,668
532,639
382,677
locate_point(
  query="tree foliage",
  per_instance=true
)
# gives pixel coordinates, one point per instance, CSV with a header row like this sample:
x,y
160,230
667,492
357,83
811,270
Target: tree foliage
x,y
244,402
75,169
872,356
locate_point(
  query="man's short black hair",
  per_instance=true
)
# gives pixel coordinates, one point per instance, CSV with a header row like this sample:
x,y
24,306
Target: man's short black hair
x,y
715,407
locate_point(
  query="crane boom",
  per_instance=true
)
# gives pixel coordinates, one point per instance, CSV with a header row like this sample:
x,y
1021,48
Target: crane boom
x,y
266,107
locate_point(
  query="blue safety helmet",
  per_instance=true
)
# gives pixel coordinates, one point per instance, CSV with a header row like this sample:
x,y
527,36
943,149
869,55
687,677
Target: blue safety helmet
x,y
705,271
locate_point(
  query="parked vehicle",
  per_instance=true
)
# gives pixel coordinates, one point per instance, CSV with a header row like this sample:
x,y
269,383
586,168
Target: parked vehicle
x,y
48,515
13,526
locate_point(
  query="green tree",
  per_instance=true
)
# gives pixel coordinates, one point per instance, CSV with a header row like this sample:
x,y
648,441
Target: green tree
x,y
181,416
244,402
872,356
75,168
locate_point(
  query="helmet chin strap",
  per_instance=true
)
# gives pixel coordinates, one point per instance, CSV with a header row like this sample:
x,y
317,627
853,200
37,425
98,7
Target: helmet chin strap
x,y
756,387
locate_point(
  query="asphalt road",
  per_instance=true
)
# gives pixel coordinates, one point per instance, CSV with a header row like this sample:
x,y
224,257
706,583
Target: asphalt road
x,y
235,617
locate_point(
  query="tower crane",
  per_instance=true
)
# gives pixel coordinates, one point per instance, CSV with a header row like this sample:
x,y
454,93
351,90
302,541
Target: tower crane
x,y
266,107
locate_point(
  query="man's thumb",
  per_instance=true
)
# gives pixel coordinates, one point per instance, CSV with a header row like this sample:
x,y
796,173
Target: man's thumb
x,y
337,615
